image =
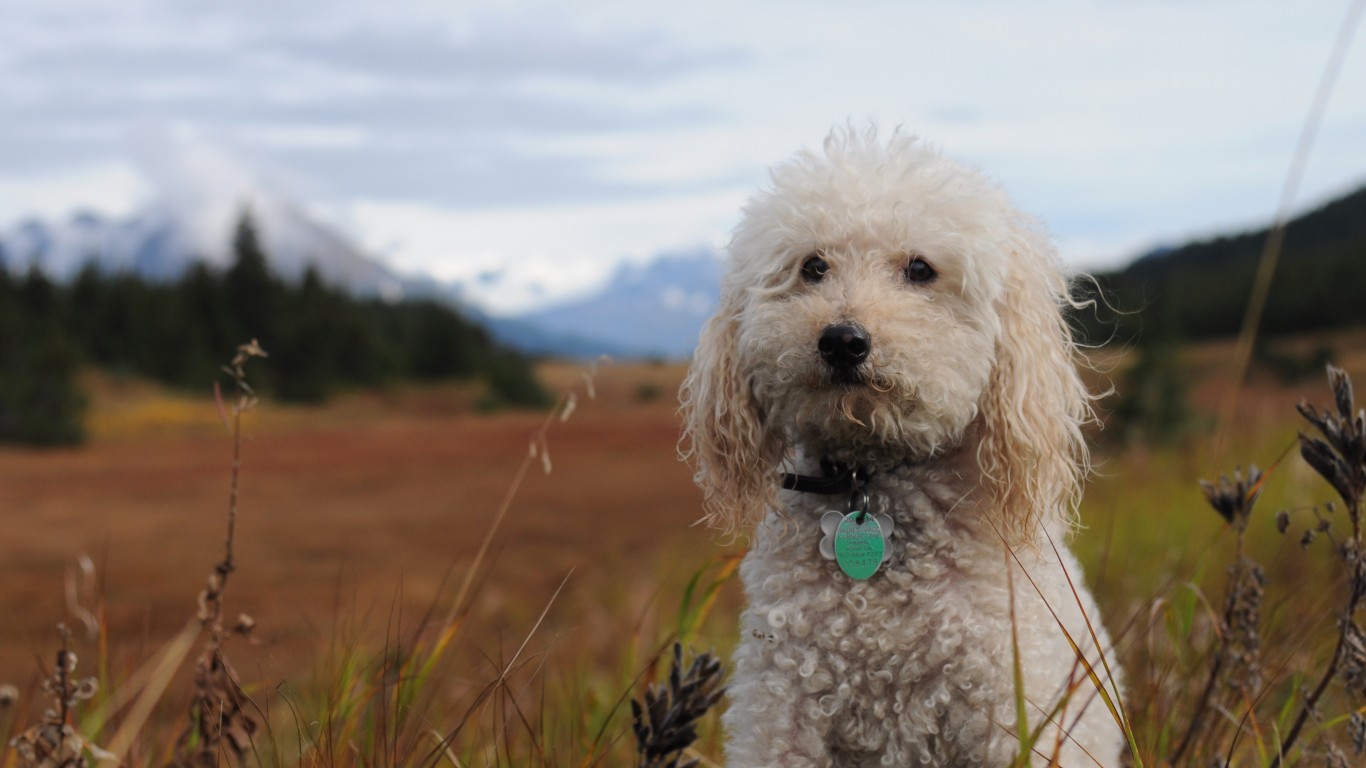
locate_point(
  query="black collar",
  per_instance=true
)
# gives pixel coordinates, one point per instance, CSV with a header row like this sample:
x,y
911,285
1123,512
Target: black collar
x,y
834,479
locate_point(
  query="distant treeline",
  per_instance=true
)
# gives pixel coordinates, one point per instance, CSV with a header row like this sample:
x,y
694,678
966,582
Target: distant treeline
x,y
320,339
1201,290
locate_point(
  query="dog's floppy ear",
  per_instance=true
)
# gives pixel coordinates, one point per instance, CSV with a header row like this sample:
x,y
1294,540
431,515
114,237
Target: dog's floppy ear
x,y
734,456
1032,449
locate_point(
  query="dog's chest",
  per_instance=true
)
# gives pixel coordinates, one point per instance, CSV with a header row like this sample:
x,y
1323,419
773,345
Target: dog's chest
x,y
920,616
919,644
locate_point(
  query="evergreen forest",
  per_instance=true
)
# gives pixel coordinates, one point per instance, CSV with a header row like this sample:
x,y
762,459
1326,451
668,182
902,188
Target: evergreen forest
x,y
321,339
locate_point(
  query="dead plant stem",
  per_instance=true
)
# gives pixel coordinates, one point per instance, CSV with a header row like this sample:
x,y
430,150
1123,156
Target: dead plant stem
x,y
1328,674
227,565
1202,705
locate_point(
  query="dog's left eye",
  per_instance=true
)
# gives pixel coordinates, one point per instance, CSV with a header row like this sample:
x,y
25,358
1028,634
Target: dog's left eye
x,y
814,268
919,271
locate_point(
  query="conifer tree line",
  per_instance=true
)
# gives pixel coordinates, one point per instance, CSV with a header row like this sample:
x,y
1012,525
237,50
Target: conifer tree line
x,y
1201,290
321,339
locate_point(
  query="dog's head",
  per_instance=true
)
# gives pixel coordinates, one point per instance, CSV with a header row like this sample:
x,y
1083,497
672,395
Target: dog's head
x,y
884,303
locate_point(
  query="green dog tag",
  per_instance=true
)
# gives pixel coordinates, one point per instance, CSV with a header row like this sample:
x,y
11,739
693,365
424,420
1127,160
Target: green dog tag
x,y
859,546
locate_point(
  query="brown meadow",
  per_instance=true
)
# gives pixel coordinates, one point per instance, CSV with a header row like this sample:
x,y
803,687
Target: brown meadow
x,y
367,505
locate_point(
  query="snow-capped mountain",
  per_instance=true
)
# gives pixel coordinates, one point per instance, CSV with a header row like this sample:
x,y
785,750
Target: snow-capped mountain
x,y
158,244
652,309
148,245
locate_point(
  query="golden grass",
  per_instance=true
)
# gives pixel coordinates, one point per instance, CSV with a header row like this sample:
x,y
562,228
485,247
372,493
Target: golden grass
x,y
1158,558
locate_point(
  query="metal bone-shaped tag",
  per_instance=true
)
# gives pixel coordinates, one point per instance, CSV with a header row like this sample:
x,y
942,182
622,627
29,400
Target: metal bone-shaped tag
x,y
858,542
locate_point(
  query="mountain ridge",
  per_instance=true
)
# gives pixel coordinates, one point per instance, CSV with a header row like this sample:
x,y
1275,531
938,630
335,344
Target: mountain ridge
x,y
653,309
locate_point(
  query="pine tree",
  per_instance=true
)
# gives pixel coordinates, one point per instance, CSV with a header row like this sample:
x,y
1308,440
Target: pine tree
x,y
253,293
39,401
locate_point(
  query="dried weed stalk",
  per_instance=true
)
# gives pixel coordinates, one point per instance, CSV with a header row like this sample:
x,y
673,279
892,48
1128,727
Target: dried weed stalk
x,y
1338,454
1237,667
1240,646
219,720
55,742
666,724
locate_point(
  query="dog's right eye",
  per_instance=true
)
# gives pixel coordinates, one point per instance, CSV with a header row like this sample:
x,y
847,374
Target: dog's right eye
x,y
814,268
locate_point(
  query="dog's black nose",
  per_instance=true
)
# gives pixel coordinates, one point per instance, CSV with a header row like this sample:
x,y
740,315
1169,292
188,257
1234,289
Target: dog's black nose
x,y
844,346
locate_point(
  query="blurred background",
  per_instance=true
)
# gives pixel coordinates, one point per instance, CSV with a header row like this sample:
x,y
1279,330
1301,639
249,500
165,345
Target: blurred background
x,y
437,217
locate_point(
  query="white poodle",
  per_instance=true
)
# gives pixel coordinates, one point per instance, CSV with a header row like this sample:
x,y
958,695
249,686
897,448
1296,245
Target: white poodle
x,y
889,393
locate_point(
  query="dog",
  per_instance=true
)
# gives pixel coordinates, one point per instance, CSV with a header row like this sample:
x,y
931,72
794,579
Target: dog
x,y
887,403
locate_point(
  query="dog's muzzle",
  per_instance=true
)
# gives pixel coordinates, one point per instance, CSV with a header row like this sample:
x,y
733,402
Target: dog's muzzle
x,y
844,347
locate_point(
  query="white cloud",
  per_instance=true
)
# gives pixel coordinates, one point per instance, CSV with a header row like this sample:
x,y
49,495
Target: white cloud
x,y
549,144
540,252
113,188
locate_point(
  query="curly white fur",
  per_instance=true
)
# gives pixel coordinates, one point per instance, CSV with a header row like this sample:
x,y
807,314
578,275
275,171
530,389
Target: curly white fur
x,y
968,411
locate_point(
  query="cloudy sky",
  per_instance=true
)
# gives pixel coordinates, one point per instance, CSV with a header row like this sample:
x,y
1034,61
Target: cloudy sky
x,y
543,143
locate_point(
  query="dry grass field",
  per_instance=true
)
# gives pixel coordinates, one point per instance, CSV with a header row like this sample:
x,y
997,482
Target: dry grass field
x,y
360,517
372,504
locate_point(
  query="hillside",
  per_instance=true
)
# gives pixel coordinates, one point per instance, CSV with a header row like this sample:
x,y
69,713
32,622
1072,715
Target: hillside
x,y
1200,290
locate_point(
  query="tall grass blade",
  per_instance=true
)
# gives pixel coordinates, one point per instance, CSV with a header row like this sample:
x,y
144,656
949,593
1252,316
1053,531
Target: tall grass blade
x,y
169,660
